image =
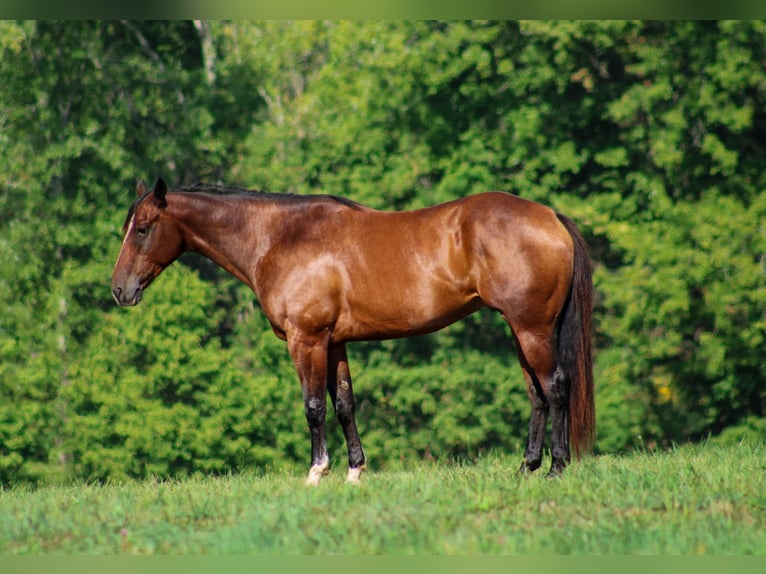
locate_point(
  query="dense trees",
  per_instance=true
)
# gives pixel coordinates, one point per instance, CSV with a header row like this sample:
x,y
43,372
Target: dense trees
x,y
649,134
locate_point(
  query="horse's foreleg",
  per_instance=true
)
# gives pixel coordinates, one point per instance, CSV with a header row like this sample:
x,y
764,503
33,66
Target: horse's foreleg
x,y
309,355
342,395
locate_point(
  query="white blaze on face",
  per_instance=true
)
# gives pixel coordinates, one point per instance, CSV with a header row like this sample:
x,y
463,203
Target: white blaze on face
x,y
131,223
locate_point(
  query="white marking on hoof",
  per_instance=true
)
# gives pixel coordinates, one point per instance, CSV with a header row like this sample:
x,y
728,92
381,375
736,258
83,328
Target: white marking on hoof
x,y
354,473
316,473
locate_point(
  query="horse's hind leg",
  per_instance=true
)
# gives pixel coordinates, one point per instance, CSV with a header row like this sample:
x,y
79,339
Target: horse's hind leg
x,y
548,390
533,453
342,396
558,395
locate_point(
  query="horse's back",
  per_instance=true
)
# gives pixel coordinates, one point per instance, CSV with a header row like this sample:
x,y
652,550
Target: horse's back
x,y
375,274
420,270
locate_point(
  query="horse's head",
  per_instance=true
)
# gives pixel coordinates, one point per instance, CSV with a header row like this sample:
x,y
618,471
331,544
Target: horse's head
x,y
152,241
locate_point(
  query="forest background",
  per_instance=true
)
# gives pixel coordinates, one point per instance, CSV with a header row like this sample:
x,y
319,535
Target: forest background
x,y
650,135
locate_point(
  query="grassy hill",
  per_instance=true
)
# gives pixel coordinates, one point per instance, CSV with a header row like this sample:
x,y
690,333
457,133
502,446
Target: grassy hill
x,y
700,499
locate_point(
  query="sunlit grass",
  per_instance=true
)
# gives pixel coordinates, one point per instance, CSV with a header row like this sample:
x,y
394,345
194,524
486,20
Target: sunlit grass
x,y
688,500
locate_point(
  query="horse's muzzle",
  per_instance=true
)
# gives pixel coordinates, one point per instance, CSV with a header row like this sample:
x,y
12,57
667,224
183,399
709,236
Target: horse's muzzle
x,y
124,299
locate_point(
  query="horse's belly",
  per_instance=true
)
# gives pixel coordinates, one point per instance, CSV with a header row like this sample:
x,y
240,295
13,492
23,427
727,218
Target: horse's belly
x,y
374,321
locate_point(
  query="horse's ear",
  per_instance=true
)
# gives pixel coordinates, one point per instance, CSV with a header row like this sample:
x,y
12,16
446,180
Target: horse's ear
x,y
141,187
160,189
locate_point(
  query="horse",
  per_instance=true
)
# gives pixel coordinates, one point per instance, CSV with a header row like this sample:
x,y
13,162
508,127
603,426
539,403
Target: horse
x,y
328,271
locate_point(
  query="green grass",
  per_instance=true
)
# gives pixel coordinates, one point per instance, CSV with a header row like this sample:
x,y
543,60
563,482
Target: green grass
x,y
688,500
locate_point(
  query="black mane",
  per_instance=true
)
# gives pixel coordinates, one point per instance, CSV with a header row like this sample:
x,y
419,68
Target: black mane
x,y
286,197
241,192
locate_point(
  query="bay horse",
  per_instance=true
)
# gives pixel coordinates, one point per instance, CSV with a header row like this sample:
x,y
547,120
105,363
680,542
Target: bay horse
x,y
328,271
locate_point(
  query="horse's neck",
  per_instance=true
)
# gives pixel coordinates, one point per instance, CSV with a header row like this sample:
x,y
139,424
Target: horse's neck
x,y
221,228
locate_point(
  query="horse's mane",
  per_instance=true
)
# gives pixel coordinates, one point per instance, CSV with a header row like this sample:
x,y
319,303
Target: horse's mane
x,y
242,192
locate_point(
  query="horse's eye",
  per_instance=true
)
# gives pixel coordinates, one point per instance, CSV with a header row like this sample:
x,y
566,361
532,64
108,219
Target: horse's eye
x,y
142,231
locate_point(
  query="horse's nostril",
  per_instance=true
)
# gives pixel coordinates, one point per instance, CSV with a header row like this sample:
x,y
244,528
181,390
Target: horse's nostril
x,y
116,293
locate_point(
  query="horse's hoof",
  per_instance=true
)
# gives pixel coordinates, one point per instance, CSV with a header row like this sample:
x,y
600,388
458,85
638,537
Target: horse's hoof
x,y
556,471
316,473
354,473
526,468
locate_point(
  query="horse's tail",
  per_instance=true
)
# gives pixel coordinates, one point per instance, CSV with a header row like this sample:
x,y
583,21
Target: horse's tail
x,y
574,347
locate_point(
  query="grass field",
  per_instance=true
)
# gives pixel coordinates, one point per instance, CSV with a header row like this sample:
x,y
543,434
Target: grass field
x,y
688,500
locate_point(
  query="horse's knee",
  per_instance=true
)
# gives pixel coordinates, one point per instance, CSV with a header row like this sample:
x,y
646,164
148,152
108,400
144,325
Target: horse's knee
x,y
316,410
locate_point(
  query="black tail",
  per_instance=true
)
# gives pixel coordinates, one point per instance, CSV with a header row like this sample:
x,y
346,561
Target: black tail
x,y
574,347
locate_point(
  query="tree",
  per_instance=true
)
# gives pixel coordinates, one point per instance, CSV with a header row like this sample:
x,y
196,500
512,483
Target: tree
x,y
648,134
87,107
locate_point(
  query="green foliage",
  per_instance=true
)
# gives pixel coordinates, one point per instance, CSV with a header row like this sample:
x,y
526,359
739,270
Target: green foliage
x,y
457,405
158,396
648,134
